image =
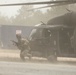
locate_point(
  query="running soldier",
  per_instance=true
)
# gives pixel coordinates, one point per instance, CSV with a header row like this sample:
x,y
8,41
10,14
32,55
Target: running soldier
x,y
23,45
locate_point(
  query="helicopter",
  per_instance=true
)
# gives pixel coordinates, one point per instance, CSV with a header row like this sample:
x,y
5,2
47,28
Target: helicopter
x,y
57,37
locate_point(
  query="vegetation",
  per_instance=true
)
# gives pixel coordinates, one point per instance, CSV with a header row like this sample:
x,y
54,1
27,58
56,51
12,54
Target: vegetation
x,y
25,17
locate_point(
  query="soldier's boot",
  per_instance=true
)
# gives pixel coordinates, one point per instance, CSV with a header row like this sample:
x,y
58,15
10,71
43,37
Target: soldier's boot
x,y
25,53
22,55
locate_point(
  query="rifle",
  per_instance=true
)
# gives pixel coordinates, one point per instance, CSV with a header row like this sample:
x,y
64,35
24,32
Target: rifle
x,y
15,43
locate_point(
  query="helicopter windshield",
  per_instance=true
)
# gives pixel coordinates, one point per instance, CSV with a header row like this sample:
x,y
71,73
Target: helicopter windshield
x,y
36,34
40,33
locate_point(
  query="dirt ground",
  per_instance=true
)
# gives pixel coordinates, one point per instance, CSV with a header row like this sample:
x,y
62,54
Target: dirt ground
x,y
14,55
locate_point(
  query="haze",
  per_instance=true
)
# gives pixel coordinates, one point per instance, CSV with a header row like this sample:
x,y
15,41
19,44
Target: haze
x,y
6,11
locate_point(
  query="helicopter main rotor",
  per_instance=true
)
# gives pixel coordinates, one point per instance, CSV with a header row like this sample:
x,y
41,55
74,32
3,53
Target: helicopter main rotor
x,y
40,3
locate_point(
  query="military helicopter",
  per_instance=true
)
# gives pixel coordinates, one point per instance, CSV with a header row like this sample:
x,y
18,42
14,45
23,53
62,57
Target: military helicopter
x,y
57,37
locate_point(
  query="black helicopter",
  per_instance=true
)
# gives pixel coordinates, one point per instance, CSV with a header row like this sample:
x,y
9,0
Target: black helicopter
x,y
57,37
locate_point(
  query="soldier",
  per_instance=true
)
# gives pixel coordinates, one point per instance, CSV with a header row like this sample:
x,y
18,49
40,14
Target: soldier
x,y
23,45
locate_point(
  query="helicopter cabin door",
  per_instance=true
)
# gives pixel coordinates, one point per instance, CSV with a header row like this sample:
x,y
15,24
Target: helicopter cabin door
x,y
65,45
51,40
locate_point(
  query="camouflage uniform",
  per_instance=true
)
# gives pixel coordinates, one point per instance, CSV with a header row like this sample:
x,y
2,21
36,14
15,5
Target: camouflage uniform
x,y
23,45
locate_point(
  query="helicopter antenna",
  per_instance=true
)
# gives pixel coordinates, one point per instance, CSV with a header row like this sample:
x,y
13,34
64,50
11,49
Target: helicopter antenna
x,y
43,23
68,10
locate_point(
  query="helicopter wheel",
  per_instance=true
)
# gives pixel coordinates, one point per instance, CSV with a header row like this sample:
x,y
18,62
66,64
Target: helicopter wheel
x,y
52,58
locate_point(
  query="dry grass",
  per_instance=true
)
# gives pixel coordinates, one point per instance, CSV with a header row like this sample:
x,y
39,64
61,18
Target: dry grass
x,y
66,59
10,55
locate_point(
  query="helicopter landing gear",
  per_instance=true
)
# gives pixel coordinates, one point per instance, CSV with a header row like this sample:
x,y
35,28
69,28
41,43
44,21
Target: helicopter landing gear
x,y
52,57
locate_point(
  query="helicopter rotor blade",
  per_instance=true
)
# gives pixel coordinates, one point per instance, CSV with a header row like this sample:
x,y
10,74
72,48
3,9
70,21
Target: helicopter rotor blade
x,y
49,6
37,3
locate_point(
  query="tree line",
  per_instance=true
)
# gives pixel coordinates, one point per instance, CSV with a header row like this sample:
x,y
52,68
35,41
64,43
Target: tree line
x,y
33,17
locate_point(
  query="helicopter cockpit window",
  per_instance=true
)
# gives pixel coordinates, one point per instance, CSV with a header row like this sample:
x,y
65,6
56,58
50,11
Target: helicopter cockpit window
x,y
47,33
35,34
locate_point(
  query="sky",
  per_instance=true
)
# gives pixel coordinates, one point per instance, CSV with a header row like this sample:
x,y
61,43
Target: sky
x,y
12,10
